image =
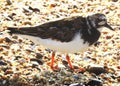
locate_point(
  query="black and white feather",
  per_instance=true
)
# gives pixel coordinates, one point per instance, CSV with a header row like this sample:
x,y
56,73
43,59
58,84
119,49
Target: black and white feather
x,y
69,35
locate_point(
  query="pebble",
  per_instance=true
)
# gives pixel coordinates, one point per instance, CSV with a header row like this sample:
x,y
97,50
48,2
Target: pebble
x,y
94,82
114,0
17,57
9,71
67,81
9,2
39,56
96,70
1,49
1,40
5,46
34,9
2,63
8,39
65,62
76,77
97,43
51,82
40,62
75,84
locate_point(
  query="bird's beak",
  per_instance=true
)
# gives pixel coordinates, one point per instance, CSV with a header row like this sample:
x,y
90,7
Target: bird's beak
x,y
108,26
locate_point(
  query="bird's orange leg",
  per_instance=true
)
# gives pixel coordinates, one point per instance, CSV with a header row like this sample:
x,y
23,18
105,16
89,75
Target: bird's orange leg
x,y
69,62
52,62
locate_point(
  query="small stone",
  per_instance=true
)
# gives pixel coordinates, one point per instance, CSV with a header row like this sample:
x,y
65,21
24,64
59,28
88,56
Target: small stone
x,y
4,82
17,57
5,46
75,84
76,77
118,79
97,43
34,9
1,49
109,37
39,56
114,0
2,63
4,77
27,23
48,50
9,2
9,71
65,62
2,39
40,62
26,9
67,81
51,82
97,70
52,5
94,82
118,67
15,37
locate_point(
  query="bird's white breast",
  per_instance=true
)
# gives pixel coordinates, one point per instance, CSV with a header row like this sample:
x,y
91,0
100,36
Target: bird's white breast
x,y
76,45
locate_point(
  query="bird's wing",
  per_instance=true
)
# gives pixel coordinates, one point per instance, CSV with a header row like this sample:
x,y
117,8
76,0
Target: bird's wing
x,y
62,30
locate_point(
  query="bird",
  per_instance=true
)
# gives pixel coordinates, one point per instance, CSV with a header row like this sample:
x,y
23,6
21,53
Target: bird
x,y
68,35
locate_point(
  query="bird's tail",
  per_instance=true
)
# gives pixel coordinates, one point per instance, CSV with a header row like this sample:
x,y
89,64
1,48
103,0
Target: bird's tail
x,y
13,30
21,30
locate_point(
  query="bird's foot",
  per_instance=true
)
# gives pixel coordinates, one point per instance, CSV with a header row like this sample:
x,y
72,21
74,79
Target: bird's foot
x,y
54,67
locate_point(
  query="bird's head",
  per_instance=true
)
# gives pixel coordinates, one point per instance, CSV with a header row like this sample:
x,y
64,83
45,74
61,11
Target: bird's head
x,y
98,20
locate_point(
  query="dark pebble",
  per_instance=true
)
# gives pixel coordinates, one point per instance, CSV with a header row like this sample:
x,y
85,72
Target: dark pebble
x,y
113,77
108,37
66,81
114,0
1,49
28,50
10,17
118,78
65,62
51,82
2,63
96,70
42,81
34,9
75,6
48,50
5,46
9,71
15,37
26,10
97,43
76,77
9,2
94,83
17,57
39,56
40,62
7,39
94,59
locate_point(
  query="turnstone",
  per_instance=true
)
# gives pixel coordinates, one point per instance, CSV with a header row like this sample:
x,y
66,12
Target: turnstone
x,y
68,35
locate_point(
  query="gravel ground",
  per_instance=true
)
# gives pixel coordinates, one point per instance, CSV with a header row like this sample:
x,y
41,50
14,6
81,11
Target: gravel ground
x,y
22,63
